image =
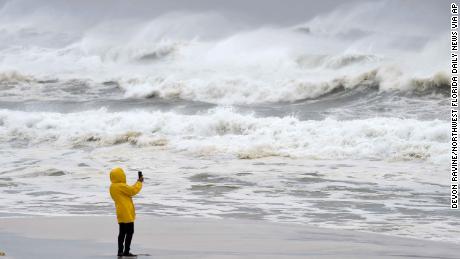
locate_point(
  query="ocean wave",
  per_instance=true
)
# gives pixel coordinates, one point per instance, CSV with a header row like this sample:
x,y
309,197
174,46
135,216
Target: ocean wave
x,y
206,57
230,89
222,131
250,91
336,61
14,77
439,81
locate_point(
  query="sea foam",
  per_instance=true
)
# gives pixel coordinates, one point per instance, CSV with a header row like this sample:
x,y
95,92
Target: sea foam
x,y
223,131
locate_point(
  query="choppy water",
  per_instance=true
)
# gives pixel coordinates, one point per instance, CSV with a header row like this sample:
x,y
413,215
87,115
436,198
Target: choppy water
x,y
274,123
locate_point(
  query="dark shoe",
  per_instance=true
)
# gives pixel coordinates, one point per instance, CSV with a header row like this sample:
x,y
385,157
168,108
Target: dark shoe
x,y
129,255
120,254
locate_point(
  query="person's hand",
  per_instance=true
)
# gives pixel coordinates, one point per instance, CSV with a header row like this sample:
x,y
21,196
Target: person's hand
x,y
141,179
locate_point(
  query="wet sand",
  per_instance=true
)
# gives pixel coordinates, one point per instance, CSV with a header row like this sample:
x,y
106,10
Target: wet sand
x,y
172,237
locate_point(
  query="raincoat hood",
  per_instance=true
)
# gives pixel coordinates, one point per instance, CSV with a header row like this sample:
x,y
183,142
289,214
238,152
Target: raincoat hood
x,y
117,175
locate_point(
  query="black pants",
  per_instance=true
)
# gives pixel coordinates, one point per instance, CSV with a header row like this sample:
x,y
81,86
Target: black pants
x,y
125,236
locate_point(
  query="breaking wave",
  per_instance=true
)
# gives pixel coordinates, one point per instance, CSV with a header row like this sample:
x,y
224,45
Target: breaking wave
x,y
225,132
14,77
207,57
247,91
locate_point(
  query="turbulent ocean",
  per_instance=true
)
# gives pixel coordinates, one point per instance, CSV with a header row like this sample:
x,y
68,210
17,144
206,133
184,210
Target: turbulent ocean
x,y
340,121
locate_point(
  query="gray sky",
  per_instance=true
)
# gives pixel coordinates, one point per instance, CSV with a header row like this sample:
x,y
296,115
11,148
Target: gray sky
x,y
282,12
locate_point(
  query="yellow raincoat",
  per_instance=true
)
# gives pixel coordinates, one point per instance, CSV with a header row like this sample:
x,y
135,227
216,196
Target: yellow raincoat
x,y
121,194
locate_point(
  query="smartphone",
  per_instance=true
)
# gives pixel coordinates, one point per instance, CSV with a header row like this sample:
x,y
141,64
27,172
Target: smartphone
x,y
139,173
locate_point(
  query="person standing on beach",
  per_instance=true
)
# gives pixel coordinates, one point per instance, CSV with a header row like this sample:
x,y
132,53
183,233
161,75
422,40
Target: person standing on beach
x,y
122,194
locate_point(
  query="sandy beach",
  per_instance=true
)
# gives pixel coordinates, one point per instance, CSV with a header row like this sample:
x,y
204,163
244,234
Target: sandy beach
x,y
174,237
